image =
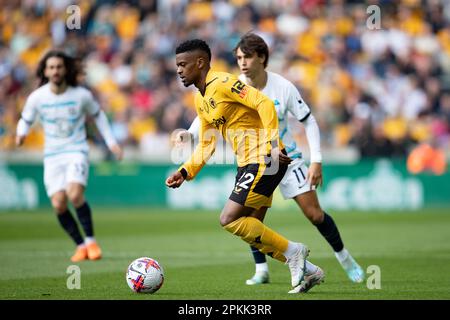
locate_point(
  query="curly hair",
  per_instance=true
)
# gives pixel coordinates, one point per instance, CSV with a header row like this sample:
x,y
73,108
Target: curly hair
x,y
69,64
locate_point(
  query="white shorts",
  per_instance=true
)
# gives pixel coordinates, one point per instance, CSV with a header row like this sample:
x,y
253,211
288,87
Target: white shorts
x,y
294,181
60,170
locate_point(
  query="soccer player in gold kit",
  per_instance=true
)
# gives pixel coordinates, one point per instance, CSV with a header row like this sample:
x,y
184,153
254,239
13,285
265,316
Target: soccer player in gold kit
x,y
299,182
247,119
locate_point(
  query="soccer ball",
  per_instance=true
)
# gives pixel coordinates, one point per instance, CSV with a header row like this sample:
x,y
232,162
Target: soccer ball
x,y
145,275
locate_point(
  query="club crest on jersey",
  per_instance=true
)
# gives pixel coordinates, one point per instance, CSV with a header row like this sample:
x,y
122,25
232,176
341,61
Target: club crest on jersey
x,y
212,103
240,88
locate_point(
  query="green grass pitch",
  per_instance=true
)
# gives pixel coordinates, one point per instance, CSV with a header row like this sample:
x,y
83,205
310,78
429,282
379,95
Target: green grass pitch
x,y
202,261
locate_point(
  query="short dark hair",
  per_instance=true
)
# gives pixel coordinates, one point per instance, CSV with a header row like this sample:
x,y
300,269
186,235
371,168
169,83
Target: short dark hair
x,y
69,64
194,44
251,43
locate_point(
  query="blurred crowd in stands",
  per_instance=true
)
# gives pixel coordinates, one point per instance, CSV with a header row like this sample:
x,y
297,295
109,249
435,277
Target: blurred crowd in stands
x,y
382,91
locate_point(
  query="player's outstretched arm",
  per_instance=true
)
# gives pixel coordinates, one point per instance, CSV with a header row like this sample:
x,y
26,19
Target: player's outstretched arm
x,y
101,121
300,110
117,151
26,119
202,152
105,129
314,175
23,127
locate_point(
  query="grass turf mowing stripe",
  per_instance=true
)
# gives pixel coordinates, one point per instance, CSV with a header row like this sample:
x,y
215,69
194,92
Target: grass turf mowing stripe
x,y
201,261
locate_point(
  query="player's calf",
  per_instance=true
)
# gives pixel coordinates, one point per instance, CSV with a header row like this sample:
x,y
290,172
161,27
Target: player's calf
x,y
315,215
310,206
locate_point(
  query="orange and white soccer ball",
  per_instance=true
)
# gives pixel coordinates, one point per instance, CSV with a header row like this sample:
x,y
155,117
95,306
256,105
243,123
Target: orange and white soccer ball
x,y
145,275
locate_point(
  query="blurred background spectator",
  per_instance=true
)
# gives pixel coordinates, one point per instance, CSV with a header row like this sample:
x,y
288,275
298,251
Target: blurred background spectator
x,y
380,92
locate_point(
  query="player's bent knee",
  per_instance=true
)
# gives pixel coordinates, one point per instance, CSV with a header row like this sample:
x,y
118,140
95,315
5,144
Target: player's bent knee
x,y
59,201
59,205
226,219
315,215
76,197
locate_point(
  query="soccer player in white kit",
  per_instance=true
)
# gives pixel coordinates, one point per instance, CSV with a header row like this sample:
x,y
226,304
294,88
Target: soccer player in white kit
x,y
62,106
299,182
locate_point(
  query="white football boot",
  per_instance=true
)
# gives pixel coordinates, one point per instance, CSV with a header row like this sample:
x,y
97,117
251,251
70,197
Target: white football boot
x,y
311,280
296,265
353,269
258,278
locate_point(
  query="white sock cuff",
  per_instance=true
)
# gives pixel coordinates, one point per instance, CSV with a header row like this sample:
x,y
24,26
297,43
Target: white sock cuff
x,y
342,255
261,267
291,249
89,240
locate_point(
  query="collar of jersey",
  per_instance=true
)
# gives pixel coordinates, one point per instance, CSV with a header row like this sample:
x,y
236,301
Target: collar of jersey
x,y
210,78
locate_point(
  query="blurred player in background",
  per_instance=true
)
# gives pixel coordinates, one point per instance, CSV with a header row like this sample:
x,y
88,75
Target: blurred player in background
x,y
62,105
299,182
224,104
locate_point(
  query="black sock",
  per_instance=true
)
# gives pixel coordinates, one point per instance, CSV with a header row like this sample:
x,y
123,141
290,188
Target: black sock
x,y
330,232
258,255
85,218
70,225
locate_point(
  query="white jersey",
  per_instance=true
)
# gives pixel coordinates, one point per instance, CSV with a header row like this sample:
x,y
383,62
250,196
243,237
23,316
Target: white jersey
x,y
286,99
62,117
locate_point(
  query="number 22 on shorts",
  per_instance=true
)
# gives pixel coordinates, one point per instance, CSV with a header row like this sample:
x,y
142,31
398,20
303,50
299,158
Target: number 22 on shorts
x,y
245,184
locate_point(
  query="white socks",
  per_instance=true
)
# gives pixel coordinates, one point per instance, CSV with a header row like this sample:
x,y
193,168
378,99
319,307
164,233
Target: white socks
x,y
89,240
342,255
262,267
291,249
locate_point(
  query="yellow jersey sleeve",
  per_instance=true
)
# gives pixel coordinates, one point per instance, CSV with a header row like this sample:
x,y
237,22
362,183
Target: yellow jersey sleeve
x,y
203,151
250,97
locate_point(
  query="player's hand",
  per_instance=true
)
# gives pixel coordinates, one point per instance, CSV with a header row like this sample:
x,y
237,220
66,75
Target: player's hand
x,y
117,151
175,180
284,159
182,137
20,140
277,155
314,175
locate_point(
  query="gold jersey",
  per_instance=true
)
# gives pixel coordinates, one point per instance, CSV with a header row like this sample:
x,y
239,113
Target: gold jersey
x,y
243,115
